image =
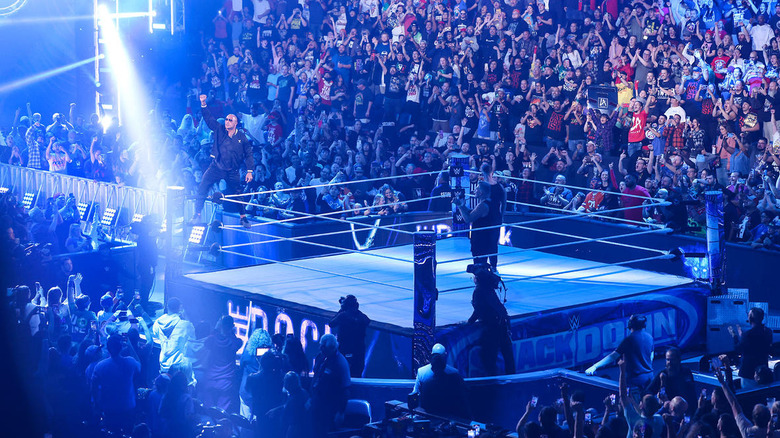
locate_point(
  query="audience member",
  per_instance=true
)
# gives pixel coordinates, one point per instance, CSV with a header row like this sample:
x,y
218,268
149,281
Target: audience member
x,y
329,387
441,388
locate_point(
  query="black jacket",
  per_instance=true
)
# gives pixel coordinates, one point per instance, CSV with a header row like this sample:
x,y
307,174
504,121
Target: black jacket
x,y
228,152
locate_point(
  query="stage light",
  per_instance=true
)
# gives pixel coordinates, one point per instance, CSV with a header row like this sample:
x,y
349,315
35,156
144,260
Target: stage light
x,y
106,122
83,209
197,234
137,217
3,190
103,12
27,200
109,215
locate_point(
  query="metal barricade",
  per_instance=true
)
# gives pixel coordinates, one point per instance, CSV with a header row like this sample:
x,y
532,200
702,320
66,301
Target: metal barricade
x,y
135,202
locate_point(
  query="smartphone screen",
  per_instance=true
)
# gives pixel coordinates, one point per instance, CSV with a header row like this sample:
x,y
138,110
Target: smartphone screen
x,y
588,417
261,351
534,401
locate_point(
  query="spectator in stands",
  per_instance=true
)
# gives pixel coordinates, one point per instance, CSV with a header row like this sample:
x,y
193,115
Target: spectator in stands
x,y
644,411
557,196
77,242
112,386
350,325
753,344
173,332
761,415
220,381
295,421
441,389
632,199
177,408
674,379
265,387
329,386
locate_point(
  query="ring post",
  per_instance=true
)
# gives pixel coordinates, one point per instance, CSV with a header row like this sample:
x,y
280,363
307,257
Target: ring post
x,y
459,182
425,296
716,256
175,239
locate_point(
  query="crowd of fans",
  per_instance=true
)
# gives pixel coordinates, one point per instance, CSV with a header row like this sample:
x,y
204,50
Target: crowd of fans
x,y
112,368
672,410
342,92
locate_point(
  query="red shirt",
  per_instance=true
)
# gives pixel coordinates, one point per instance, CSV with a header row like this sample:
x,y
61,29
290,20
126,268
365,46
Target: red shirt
x,y
637,132
634,214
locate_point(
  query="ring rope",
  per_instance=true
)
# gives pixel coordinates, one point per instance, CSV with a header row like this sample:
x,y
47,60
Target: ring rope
x,y
322,271
282,239
323,245
332,233
568,186
605,240
599,215
341,183
568,216
322,215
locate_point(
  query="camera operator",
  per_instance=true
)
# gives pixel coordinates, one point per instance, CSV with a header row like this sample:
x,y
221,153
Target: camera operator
x,y
489,310
350,325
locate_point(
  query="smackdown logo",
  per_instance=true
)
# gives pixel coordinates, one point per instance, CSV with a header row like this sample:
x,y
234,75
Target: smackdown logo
x,y
584,345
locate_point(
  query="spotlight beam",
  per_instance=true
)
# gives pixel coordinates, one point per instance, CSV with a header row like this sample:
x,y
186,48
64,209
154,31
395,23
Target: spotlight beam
x,y
35,20
45,75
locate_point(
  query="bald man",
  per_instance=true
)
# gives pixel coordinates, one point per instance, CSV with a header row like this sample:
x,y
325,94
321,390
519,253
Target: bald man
x,y
231,148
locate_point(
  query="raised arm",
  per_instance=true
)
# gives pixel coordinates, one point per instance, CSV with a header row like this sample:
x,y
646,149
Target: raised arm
x,y
211,122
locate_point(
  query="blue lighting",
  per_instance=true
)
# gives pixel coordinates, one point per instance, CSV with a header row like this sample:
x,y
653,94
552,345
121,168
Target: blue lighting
x,y
696,267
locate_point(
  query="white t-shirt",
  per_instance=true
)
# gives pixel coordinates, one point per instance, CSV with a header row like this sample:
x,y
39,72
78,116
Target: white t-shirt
x,y
253,125
761,35
675,110
261,7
